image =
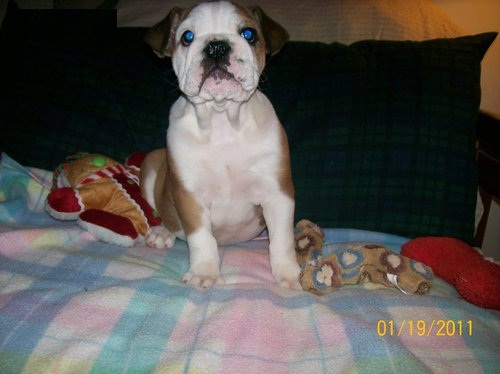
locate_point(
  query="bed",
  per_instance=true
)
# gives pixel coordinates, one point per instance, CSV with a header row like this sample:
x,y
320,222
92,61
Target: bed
x,y
383,141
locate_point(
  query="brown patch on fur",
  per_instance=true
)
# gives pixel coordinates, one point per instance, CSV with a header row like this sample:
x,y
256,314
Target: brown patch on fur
x,y
259,212
161,37
250,21
156,162
187,208
275,35
176,205
285,171
270,35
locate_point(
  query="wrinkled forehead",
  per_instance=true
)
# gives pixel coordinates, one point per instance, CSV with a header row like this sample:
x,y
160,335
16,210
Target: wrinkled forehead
x,y
218,17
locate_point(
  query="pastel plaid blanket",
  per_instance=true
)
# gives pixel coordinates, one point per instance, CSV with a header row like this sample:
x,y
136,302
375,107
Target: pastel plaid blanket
x,y
72,304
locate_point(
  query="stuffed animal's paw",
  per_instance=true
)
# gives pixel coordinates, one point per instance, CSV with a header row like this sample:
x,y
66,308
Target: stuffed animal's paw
x,y
64,204
109,227
309,239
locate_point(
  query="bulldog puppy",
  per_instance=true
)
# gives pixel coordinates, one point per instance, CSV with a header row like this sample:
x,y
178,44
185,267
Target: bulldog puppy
x,y
225,172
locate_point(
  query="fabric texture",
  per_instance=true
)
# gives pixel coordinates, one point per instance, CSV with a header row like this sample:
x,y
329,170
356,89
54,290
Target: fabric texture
x,y
382,133
70,303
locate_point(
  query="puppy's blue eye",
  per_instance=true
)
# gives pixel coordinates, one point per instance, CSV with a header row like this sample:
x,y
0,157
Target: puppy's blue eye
x,y
187,37
249,34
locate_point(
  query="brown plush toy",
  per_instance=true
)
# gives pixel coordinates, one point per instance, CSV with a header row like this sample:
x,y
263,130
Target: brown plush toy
x,y
103,196
355,264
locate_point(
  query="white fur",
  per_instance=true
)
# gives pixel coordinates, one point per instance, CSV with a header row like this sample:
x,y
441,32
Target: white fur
x,y
230,170
159,237
227,145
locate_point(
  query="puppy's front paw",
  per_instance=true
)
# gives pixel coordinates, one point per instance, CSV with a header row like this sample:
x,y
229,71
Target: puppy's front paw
x,y
159,237
287,274
203,280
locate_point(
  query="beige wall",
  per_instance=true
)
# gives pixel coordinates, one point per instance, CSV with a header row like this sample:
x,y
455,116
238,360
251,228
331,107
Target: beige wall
x,y
477,16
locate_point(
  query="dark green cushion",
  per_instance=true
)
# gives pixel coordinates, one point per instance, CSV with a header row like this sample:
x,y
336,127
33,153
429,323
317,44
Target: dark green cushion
x,y
382,133
74,82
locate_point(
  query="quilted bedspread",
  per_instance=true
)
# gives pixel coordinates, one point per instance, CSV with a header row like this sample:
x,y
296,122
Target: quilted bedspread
x,y
71,304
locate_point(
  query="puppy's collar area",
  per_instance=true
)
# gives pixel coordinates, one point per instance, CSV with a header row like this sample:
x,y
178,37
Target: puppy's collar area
x,y
218,104
211,112
206,109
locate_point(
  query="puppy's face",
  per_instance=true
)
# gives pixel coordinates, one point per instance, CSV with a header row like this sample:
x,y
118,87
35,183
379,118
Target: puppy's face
x,y
218,49
219,54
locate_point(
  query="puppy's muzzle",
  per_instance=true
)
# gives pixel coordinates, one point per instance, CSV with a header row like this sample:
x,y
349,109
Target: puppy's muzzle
x,y
216,61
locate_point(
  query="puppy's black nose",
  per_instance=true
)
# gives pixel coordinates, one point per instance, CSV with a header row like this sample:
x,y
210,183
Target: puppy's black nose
x,y
217,49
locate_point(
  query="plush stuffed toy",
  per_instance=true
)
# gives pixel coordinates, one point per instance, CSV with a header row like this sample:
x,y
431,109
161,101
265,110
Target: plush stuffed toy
x,y
103,196
355,264
477,280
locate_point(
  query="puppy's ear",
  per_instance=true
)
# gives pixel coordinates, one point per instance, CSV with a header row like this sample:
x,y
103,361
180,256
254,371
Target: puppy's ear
x,y
161,37
275,35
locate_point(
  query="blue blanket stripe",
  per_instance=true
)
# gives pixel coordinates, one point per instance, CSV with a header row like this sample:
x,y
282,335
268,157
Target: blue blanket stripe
x,y
143,329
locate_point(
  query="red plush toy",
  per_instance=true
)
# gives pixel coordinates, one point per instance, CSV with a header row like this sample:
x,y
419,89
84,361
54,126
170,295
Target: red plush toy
x,y
477,280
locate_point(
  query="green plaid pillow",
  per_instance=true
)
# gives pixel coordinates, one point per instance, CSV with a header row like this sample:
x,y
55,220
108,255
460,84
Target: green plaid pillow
x,y
382,133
